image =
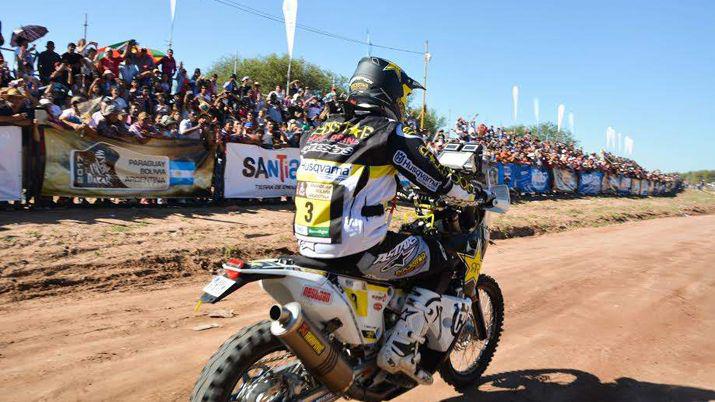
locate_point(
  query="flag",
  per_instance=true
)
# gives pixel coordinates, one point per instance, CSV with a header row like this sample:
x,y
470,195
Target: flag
x,y
290,15
515,101
181,173
628,146
172,6
610,138
560,117
536,110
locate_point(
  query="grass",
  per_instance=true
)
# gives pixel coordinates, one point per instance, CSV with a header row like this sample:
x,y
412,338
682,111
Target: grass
x,y
547,216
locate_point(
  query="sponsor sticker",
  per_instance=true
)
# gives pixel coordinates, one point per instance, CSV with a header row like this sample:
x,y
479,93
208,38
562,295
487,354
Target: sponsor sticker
x,y
311,339
377,306
317,294
414,264
324,171
421,176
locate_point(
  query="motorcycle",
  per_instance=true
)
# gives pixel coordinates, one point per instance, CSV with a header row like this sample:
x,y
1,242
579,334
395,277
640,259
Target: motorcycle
x,y
322,337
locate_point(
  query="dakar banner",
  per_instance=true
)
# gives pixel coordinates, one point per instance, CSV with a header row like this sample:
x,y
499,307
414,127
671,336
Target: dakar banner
x,y
532,179
624,186
610,184
508,173
590,183
10,163
255,172
636,186
565,180
645,186
86,164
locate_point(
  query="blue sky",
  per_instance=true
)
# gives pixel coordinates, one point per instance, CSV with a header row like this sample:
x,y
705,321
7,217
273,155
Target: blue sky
x,y
645,68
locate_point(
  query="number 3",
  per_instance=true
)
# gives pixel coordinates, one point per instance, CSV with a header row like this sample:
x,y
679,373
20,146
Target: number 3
x,y
309,211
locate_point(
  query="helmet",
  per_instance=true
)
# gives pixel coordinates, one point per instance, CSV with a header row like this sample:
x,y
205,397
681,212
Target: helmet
x,y
380,84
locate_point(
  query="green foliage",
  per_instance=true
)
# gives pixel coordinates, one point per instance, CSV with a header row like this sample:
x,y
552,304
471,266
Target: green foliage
x,y
697,176
271,70
433,121
546,131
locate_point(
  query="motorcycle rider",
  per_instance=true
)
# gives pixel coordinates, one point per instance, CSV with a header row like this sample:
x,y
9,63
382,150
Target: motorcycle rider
x,y
347,177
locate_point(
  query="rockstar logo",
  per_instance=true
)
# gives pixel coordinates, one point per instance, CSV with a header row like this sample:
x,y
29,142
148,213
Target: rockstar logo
x,y
394,67
473,263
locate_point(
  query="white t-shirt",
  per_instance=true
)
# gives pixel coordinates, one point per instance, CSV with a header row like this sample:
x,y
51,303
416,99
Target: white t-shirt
x,y
96,118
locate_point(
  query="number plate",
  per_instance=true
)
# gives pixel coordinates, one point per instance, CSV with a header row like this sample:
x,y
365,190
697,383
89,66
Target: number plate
x,y
218,285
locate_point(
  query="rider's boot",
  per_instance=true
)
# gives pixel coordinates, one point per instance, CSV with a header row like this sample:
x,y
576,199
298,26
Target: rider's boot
x,y
400,351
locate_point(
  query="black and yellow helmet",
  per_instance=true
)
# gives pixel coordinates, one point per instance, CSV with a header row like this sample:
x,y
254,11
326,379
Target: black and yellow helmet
x,y
381,84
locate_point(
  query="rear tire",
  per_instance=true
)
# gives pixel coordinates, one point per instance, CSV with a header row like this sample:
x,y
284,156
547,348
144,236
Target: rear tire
x,y
225,368
461,380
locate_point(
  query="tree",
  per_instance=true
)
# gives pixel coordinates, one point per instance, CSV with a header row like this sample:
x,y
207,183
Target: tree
x,y
271,70
697,176
545,131
433,121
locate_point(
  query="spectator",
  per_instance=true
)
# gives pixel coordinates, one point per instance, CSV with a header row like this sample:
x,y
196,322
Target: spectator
x,y
72,115
74,61
168,64
46,62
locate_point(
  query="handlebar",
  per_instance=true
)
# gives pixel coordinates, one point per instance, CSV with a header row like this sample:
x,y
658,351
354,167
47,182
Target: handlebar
x,y
484,198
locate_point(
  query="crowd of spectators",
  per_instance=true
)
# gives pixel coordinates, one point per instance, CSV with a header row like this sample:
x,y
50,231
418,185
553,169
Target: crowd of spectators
x,y
127,93
504,146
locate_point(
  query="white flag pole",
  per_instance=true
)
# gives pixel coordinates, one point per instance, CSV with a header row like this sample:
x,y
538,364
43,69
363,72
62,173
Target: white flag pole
x,y
515,101
172,8
560,116
536,114
290,15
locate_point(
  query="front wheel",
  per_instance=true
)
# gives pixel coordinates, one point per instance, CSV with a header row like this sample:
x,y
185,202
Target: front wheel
x,y
252,365
470,356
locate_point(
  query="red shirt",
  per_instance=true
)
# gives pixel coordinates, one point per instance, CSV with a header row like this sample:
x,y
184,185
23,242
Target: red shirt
x,y
112,64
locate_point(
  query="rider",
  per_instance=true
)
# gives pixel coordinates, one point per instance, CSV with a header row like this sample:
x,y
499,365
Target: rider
x,y
347,177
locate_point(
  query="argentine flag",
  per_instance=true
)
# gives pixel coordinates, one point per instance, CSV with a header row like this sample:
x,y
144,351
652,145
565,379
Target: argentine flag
x,y
181,173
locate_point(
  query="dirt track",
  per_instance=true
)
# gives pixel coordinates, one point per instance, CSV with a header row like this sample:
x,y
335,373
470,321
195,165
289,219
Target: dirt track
x,y
623,312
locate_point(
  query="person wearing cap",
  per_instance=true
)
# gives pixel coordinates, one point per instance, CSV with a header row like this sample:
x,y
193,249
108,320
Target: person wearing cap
x,y
71,115
53,111
231,85
245,88
46,62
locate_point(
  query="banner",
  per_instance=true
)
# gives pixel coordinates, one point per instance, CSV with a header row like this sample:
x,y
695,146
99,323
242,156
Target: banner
x,y
508,174
86,164
255,172
565,180
610,184
590,183
624,186
532,179
635,186
645,186
10,163
539,179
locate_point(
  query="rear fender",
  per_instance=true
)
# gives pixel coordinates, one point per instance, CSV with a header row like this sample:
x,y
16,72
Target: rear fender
x,y
245,276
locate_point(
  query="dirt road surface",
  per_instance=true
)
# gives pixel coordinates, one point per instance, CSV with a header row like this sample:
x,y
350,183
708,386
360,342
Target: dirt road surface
x,y
617,313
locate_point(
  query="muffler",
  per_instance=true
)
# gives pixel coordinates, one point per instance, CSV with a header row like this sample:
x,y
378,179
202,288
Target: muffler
x,y
320,356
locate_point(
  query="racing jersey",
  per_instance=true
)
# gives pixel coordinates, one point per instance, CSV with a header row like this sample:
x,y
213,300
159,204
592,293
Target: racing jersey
x,y
348,175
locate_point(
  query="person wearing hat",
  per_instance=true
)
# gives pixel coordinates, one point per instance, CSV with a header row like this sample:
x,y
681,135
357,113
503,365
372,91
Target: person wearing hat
x,y
71,115
245,88
53,111
231,85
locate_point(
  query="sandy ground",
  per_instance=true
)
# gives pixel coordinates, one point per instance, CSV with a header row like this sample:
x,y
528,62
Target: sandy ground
x,y
66,251
617,313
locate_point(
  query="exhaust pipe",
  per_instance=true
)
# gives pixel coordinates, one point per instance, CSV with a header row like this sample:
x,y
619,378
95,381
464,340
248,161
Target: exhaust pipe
x,y
320,356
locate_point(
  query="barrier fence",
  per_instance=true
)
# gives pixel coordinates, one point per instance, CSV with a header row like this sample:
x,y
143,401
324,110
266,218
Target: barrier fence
x,y
49,161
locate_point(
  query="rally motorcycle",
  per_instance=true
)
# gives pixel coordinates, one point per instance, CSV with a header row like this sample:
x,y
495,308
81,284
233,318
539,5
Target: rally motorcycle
x,y
323,336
